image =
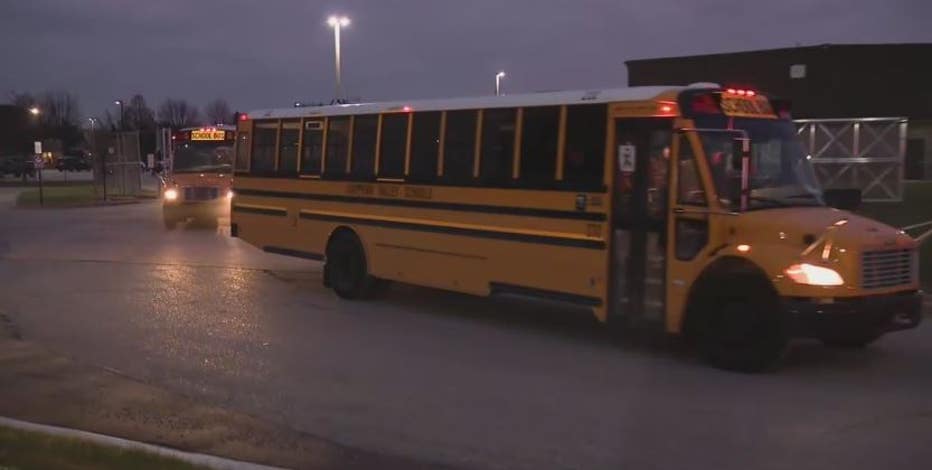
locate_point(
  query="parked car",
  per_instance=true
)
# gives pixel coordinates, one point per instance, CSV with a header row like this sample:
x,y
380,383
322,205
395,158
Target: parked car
x,y
16,166
73,163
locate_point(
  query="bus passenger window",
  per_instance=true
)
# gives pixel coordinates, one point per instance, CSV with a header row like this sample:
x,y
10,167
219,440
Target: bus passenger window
x,y
263,150
312,150
459,146
496,159
425,146
584,160
365,129
658,184
393,145
337,146
689,186
242,151
288,148
539,135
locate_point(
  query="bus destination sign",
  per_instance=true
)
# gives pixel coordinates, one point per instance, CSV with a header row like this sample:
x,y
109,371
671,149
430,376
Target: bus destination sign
x,y
208,134
755,106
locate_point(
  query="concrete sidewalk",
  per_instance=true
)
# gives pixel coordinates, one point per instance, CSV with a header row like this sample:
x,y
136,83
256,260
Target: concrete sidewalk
x,y
39,386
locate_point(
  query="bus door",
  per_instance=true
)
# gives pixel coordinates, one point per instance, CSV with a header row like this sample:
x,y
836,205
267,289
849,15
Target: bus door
x,y
689,224
642,153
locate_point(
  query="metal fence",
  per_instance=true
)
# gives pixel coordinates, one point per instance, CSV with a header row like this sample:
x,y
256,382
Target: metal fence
x,y
119,154
863,153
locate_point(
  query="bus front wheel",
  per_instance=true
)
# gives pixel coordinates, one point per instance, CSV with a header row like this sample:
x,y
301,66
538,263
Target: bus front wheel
x,y
346,269
742,328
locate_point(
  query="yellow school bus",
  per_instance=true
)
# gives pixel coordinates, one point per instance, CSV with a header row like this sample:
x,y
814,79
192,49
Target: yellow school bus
x,y
692,210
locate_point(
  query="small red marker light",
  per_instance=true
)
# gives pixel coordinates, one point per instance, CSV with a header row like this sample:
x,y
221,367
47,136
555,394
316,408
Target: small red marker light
x,y
666,108
742,92
751,93
731,91
406,109
244,117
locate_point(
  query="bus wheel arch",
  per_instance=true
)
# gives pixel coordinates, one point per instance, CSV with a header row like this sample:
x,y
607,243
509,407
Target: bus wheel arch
x,y
734,316
346,265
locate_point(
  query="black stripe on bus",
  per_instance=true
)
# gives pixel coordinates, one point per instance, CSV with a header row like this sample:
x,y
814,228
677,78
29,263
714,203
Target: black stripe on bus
x,y
450,206
585,300
260,211
471,232
296,253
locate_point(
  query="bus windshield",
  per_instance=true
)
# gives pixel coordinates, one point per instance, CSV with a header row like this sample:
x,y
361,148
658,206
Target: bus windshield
x,y
194,157
781,172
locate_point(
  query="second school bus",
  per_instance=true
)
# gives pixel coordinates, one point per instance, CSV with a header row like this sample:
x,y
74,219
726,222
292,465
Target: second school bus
x,y
693,210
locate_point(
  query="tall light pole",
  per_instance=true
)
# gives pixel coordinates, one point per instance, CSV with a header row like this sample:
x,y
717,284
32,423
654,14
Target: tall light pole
x,y
338,23
120,104
498,83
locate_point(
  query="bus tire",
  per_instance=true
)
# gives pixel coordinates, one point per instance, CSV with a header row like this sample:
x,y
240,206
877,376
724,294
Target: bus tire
x,y
740,327
346,269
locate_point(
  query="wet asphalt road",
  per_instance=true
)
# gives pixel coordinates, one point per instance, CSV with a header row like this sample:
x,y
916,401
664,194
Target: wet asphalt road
x,y
441,377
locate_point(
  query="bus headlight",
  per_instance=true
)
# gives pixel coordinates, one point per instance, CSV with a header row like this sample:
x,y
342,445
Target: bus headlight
x,y
171,194
810,274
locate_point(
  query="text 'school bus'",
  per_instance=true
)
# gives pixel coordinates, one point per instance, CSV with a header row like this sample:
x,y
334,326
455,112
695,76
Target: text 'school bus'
x,y
199,183
694,210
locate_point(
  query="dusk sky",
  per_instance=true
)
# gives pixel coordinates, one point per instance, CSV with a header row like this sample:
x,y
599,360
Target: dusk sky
x,y
269,53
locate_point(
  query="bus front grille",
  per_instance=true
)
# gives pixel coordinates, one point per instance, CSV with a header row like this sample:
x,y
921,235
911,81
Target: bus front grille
x,y
887,268
201,193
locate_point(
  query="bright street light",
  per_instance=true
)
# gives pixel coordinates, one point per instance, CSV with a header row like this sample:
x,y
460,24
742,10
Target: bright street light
x,y
34,111
120,104
338,23
498,83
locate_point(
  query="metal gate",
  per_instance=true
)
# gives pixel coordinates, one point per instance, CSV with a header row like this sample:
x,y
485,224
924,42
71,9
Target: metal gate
x,y
863,153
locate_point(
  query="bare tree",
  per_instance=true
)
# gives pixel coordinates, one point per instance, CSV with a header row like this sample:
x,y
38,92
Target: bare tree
x,y
218,112
59,109
23,100
178,113
138,115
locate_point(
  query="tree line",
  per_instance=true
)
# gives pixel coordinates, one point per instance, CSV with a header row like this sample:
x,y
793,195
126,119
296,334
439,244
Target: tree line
x,y
60,115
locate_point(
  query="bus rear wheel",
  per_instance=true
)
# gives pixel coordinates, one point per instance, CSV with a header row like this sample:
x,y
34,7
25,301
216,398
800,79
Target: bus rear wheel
x,y
742,329
346,269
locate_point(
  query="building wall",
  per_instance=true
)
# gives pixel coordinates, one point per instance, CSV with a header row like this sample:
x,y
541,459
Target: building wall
x,y
920,130
840,81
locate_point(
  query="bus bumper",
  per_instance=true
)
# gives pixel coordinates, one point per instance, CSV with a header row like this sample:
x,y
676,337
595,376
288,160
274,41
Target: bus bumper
x,y
197,210
858,316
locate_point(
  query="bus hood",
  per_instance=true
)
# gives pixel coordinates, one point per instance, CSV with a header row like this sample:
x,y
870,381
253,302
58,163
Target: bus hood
x,y
775,239
804,226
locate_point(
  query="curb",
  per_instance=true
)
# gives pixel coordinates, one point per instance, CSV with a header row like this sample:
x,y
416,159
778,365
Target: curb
x,y
189,457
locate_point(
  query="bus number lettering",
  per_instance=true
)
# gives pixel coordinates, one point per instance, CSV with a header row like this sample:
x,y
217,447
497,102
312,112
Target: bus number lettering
x,y
414,192
360,189
388,191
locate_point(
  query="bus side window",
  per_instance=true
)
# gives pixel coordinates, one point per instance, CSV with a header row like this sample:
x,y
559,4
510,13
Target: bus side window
x,y
365,130
539,135
496,158
242,151
584,160
393,145
459,146
425,146
689,186
337,146
263,150
312,151
288,148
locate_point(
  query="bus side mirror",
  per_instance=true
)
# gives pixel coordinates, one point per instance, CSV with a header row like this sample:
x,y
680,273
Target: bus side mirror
x,y
742,164
848,199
